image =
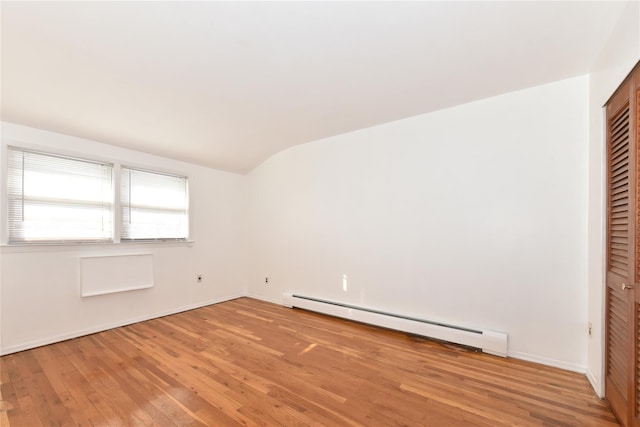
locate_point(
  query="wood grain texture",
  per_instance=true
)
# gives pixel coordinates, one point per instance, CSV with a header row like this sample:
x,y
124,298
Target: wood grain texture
x,y
247,362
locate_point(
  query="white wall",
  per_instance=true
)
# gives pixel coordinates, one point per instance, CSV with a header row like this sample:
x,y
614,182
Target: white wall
x,y
616,60
40,287
474,215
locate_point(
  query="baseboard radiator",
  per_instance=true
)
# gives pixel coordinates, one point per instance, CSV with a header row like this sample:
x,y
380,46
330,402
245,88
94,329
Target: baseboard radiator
x,y
488,341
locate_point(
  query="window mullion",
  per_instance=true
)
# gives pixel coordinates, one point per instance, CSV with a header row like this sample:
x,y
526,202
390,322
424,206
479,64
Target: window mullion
x,y
117,217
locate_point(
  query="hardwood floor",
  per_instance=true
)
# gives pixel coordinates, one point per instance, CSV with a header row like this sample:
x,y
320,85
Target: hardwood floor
x,y
247,362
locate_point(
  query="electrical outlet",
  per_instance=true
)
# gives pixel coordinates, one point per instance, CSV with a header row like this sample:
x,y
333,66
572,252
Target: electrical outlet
x,y
590,328
199,278
266,280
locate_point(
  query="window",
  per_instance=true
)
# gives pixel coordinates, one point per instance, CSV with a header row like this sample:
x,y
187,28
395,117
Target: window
x,y
154,205
53,198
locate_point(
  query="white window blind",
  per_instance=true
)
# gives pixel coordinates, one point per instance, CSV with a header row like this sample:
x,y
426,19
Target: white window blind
x,y
154,205
53,198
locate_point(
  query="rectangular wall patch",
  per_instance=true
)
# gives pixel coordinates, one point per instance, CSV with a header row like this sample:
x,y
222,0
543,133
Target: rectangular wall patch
x,y
101,275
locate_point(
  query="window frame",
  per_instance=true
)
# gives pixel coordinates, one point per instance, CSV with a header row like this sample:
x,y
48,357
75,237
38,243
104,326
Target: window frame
x,y
121,208
54,166
117,164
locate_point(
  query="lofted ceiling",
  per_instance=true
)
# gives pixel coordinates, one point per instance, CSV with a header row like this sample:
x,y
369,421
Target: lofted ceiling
x,y
228,84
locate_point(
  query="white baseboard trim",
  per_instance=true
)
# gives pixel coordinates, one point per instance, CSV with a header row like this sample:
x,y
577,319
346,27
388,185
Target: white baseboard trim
x,y
75,334
265,299
597,385
548,362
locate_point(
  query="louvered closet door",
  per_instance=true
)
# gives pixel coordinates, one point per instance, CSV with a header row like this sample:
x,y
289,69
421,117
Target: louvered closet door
x,y
622,275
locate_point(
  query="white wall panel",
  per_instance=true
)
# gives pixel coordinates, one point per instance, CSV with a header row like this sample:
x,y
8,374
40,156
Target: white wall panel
x,y
474,216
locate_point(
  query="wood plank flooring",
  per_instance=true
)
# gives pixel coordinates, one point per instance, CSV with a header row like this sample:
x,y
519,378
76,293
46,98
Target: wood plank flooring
x,y
247,362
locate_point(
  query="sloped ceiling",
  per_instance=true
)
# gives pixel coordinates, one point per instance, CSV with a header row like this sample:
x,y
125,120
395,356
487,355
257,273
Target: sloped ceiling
x,y
228,84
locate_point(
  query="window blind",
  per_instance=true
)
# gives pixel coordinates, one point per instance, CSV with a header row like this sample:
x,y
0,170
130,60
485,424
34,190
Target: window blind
x,y
52,198
154,205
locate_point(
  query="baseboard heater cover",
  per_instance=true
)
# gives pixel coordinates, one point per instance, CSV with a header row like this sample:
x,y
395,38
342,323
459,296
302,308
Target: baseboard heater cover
x,y
489,341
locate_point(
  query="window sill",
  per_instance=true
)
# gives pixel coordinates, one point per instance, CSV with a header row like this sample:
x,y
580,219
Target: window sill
x,y
59,247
